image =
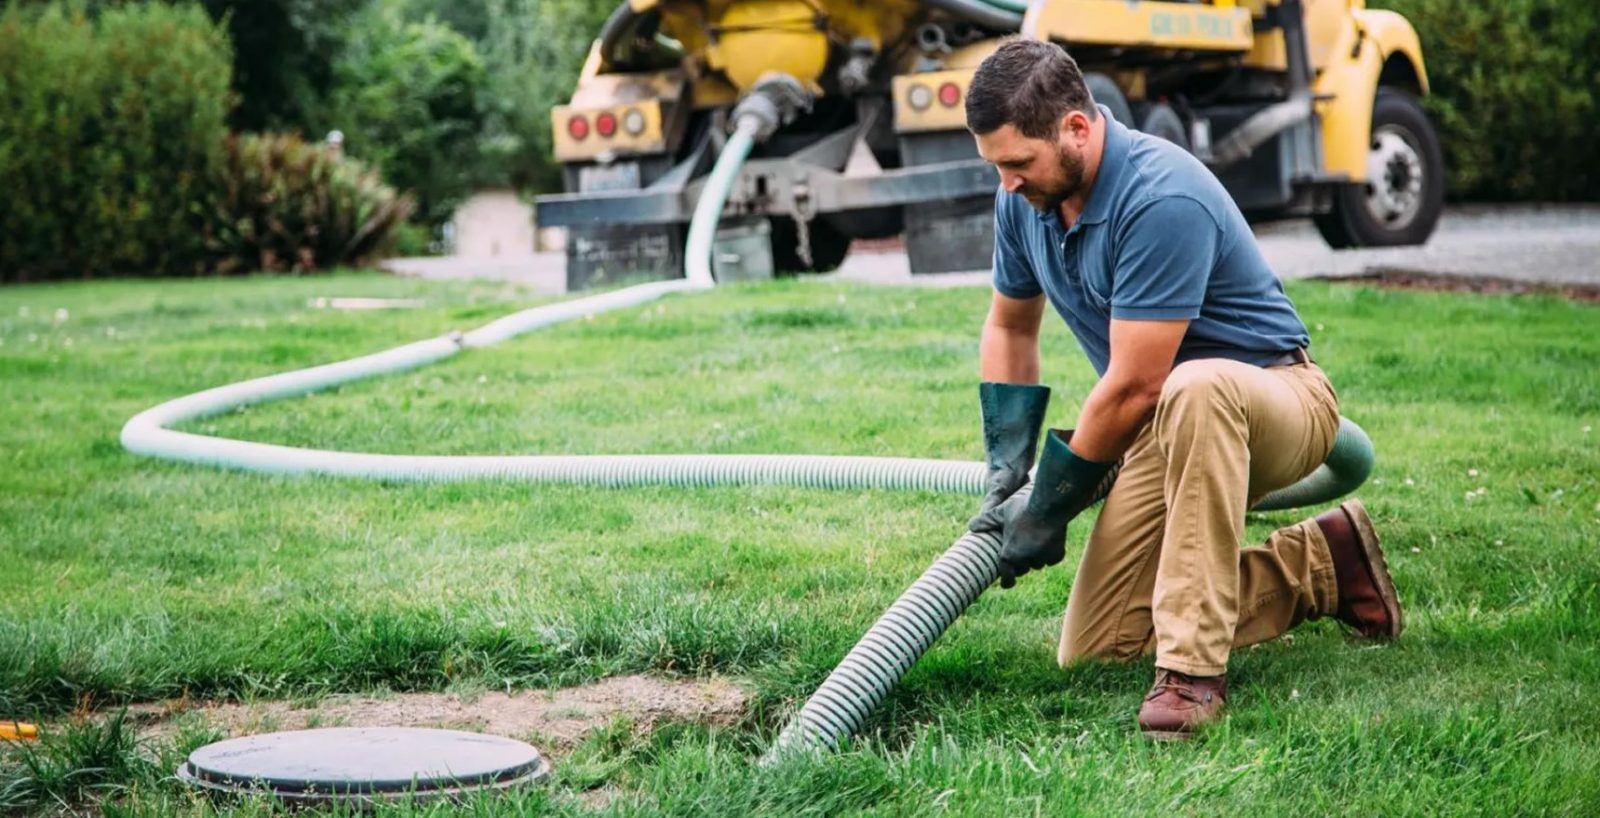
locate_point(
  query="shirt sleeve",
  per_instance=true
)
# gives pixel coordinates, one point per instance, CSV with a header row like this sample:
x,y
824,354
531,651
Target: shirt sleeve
x,y
1165,256
1013,275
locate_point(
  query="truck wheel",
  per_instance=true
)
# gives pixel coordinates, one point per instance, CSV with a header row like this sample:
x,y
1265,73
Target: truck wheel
x,y
1158,119
1104,90
828,246
1403,196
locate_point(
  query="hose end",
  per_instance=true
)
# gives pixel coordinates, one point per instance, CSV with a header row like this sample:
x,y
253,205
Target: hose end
x,y
776,99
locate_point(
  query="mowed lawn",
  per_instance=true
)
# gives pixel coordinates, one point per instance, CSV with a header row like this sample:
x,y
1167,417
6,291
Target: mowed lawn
x,y
125,579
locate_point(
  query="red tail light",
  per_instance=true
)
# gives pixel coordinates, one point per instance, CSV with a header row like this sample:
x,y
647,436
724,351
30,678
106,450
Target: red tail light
x,y
578,127
949,94
606,124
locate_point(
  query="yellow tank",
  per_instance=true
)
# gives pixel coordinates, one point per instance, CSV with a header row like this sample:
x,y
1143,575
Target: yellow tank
x,y
741,40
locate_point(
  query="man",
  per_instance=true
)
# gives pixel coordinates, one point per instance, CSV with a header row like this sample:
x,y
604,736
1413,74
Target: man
x,y
1207,398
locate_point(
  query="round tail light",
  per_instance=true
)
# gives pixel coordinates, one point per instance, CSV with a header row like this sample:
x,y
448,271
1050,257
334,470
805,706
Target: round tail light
x,y
578,127
949,94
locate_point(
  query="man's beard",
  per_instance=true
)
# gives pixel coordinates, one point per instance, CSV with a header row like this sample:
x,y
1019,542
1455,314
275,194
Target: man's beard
x,y
1048,195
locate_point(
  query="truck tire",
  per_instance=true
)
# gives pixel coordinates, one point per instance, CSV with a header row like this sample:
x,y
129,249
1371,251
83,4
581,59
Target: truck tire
x,y
1403,196
1158,119
1104,90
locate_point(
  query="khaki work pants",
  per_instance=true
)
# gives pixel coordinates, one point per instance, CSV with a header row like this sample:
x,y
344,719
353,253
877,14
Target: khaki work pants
x,y
1163,567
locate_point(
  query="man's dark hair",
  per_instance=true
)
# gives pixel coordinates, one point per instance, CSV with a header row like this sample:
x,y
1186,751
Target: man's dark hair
x,y
1029,84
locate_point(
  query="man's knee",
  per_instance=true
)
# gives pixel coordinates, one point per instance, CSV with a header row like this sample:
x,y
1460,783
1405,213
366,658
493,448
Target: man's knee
x,y
1079,646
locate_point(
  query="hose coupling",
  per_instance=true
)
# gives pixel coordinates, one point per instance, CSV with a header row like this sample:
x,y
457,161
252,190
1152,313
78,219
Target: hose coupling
x,y
775,100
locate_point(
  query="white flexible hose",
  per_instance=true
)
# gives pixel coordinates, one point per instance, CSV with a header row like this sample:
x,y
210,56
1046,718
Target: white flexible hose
x,y
147,432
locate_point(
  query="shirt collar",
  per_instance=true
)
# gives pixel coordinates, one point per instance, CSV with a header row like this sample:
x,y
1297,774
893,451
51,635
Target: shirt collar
x,y
1112,158
1106,180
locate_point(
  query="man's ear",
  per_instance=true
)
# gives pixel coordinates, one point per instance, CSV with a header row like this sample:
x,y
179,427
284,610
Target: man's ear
x,y
1075,127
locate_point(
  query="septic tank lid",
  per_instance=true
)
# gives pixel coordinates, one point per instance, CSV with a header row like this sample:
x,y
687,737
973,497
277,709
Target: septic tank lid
x,y
363,762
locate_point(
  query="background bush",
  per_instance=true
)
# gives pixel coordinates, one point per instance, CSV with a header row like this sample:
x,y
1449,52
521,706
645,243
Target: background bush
x,y
406,95
533,51
282,204
109,130
114,144
1514,92
283,57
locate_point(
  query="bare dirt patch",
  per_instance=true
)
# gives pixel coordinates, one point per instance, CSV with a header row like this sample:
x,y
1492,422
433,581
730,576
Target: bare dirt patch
x,y
559,716
1401,279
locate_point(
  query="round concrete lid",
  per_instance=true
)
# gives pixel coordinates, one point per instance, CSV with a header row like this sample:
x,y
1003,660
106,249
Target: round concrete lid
x,y
363,761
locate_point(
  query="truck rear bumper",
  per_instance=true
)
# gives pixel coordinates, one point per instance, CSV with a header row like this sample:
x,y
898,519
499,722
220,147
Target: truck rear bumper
x,y
775,187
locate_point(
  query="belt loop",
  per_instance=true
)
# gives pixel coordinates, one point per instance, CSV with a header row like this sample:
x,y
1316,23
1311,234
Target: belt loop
x,y
1301,355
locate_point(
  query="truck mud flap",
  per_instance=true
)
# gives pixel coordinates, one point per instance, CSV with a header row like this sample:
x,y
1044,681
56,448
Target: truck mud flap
x,y
599,256
950,237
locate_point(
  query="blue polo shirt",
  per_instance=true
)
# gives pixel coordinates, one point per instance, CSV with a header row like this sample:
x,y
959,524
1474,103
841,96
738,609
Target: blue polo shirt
x,y
1159,238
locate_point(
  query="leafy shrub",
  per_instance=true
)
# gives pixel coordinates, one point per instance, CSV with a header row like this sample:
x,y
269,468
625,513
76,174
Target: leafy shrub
x,y
1516,93
109,131
284,204
533,51
405,95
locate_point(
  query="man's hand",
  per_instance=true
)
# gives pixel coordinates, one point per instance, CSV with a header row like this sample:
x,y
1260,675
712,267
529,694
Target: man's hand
x,y
1034,527
1028,541
1001,484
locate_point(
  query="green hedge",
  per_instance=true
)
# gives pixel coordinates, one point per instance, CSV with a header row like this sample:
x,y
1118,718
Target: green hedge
x,y
114,145
1516,94
109,131
405,95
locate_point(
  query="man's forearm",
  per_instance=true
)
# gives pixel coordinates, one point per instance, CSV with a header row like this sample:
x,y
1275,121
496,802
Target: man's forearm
x,y
1007,355
1113,415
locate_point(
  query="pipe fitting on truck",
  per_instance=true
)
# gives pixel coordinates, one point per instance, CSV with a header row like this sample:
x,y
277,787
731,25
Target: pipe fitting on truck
x,y
776,99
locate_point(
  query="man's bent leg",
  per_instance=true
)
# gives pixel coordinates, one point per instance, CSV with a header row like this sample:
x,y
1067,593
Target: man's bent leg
x,y
1108,611
1286,581
1230,432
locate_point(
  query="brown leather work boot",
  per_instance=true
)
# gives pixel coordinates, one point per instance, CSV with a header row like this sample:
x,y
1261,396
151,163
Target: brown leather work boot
x,y
1367,599
1179,704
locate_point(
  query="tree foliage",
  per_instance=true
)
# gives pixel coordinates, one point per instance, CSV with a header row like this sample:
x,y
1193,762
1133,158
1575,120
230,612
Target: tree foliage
x,y
407,96
1516,94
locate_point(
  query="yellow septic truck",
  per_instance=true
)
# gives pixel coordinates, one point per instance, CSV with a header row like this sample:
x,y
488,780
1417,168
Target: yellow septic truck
x,y
1300,107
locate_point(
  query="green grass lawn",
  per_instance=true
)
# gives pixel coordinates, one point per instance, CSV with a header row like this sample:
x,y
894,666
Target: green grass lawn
x,y
127,579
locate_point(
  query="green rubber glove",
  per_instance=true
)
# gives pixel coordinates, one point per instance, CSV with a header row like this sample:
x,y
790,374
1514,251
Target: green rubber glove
x,y
1013,414
1034,528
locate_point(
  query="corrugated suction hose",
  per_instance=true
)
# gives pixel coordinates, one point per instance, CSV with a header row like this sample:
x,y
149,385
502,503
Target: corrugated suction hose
x,y
894,643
